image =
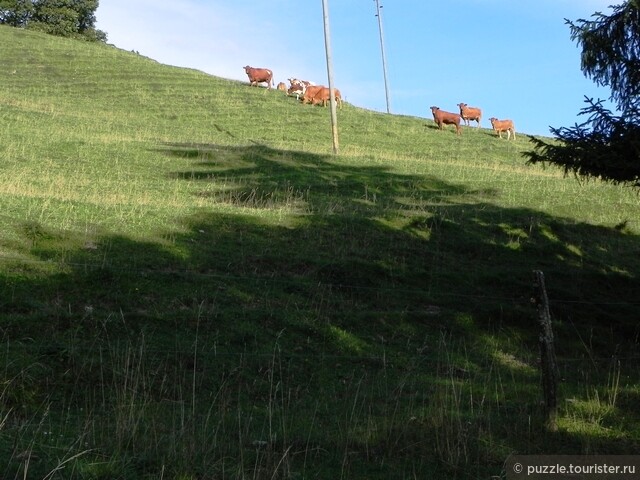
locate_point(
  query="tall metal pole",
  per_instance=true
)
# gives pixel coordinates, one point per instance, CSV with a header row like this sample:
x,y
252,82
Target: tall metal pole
x,y
332,96
384,60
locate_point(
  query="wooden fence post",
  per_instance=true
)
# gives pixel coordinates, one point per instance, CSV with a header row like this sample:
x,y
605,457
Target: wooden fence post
x,y
548,364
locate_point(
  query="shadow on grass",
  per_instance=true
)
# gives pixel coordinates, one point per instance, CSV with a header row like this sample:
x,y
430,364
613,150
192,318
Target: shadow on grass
x,y
442,226
401,299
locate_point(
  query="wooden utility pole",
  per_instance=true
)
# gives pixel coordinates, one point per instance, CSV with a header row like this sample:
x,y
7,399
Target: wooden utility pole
x,y
384,59
548,364
332,95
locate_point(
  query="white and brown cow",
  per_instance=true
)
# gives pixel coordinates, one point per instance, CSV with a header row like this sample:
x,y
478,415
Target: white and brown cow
x,y
298,87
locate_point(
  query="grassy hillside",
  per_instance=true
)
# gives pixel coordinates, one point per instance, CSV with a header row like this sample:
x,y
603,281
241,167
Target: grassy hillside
x,y
193,287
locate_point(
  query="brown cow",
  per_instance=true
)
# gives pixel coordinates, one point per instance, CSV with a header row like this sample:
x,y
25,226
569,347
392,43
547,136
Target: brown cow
x,y
324,95
282,87
259,75
470,113
446,118
310,92
500,126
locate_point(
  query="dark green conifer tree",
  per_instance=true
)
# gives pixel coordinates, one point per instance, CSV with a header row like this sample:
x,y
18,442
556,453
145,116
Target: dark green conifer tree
x,y
607,144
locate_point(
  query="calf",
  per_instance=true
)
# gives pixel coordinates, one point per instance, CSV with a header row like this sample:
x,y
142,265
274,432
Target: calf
x,y
500,126
470,113
282,87
447,118
324,95
259,75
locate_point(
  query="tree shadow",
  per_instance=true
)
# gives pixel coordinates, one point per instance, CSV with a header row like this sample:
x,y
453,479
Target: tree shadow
x,y
435,212
341,267
258,169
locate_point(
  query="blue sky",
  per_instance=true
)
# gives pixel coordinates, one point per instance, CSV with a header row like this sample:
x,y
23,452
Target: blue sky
x,y
512,58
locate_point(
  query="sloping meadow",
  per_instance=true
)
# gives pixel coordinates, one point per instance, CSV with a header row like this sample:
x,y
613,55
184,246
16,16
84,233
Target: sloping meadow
x,y
192,286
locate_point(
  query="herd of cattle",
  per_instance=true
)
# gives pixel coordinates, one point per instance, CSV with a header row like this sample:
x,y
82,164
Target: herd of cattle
x,y
309,92
316,94
468,114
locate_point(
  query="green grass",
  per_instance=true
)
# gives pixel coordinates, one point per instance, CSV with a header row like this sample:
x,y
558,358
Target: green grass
x,y
192,286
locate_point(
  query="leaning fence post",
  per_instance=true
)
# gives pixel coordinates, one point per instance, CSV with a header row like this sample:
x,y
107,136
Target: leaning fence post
x,y
548,365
